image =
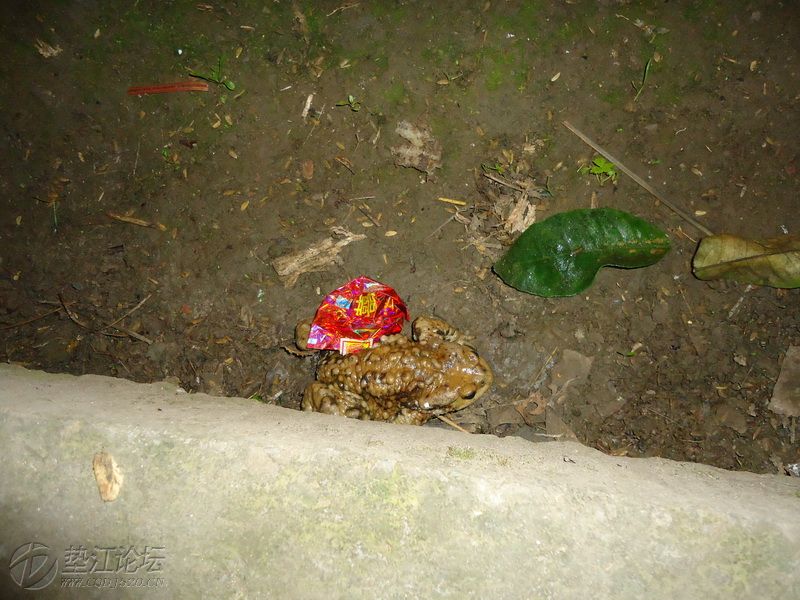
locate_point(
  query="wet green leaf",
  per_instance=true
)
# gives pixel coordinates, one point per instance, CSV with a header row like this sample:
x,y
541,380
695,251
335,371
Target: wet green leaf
x,y
561,255
774,262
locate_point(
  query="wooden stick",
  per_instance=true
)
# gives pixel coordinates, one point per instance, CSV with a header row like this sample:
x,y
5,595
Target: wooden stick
x,y
453,424
34,319
496,179
681,213
166,88
127,314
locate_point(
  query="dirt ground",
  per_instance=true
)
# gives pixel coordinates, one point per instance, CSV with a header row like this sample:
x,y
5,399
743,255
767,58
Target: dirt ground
x,y
138,232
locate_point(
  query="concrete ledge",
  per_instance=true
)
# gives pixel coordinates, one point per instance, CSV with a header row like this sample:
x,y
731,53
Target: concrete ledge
x,y
252,501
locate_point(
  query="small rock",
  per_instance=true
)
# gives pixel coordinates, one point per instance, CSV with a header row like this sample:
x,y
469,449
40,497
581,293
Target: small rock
x,y
731,417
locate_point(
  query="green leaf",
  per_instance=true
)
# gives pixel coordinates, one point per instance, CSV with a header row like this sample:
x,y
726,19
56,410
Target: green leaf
x,y
774,262
561,255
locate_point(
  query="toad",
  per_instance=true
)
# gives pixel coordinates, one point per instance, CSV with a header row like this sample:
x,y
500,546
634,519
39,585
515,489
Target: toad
x,y
400,380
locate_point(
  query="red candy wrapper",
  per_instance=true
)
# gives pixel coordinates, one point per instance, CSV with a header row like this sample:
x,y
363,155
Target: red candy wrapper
x,y
356,316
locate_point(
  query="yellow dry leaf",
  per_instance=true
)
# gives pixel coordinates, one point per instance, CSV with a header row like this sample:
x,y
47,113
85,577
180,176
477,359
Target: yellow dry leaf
x,y
244,205
774,262
107,475
308,169
129,219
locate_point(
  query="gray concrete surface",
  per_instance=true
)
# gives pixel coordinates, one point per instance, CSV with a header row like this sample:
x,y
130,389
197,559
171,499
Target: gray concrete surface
x,y
244,500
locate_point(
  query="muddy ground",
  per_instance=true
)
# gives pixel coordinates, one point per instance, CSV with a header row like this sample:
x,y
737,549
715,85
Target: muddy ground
x,y
225,181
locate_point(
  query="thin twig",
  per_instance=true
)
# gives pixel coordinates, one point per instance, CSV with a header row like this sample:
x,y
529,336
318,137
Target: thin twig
x,y
496,179
47,314
735,308
72,315
365,211
453,424
342,162
127,314
343,7
681,213
136,160
133,334
74,318
451,201
544,366
663,416
439,228
686,302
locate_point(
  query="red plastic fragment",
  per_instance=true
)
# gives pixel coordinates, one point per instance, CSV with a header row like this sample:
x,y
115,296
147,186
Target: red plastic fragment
x,y
356,316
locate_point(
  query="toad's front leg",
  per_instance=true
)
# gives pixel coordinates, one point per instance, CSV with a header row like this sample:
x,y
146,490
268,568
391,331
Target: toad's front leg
x,y
331,400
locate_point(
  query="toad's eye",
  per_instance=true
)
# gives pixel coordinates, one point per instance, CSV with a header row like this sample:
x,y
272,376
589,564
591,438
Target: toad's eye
x,y
468,395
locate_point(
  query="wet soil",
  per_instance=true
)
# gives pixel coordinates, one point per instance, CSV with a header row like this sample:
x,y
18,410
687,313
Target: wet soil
x,y
138,232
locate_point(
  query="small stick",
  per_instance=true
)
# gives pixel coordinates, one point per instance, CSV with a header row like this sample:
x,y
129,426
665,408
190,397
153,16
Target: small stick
x,y
307,106
72,316
439,228
127,314
343,7
47,314
503,182
365,211
544,366
686,302
452,201
686,235
735,308
178,86
133,334
663,416
344,162
136,160
681,213
453,424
